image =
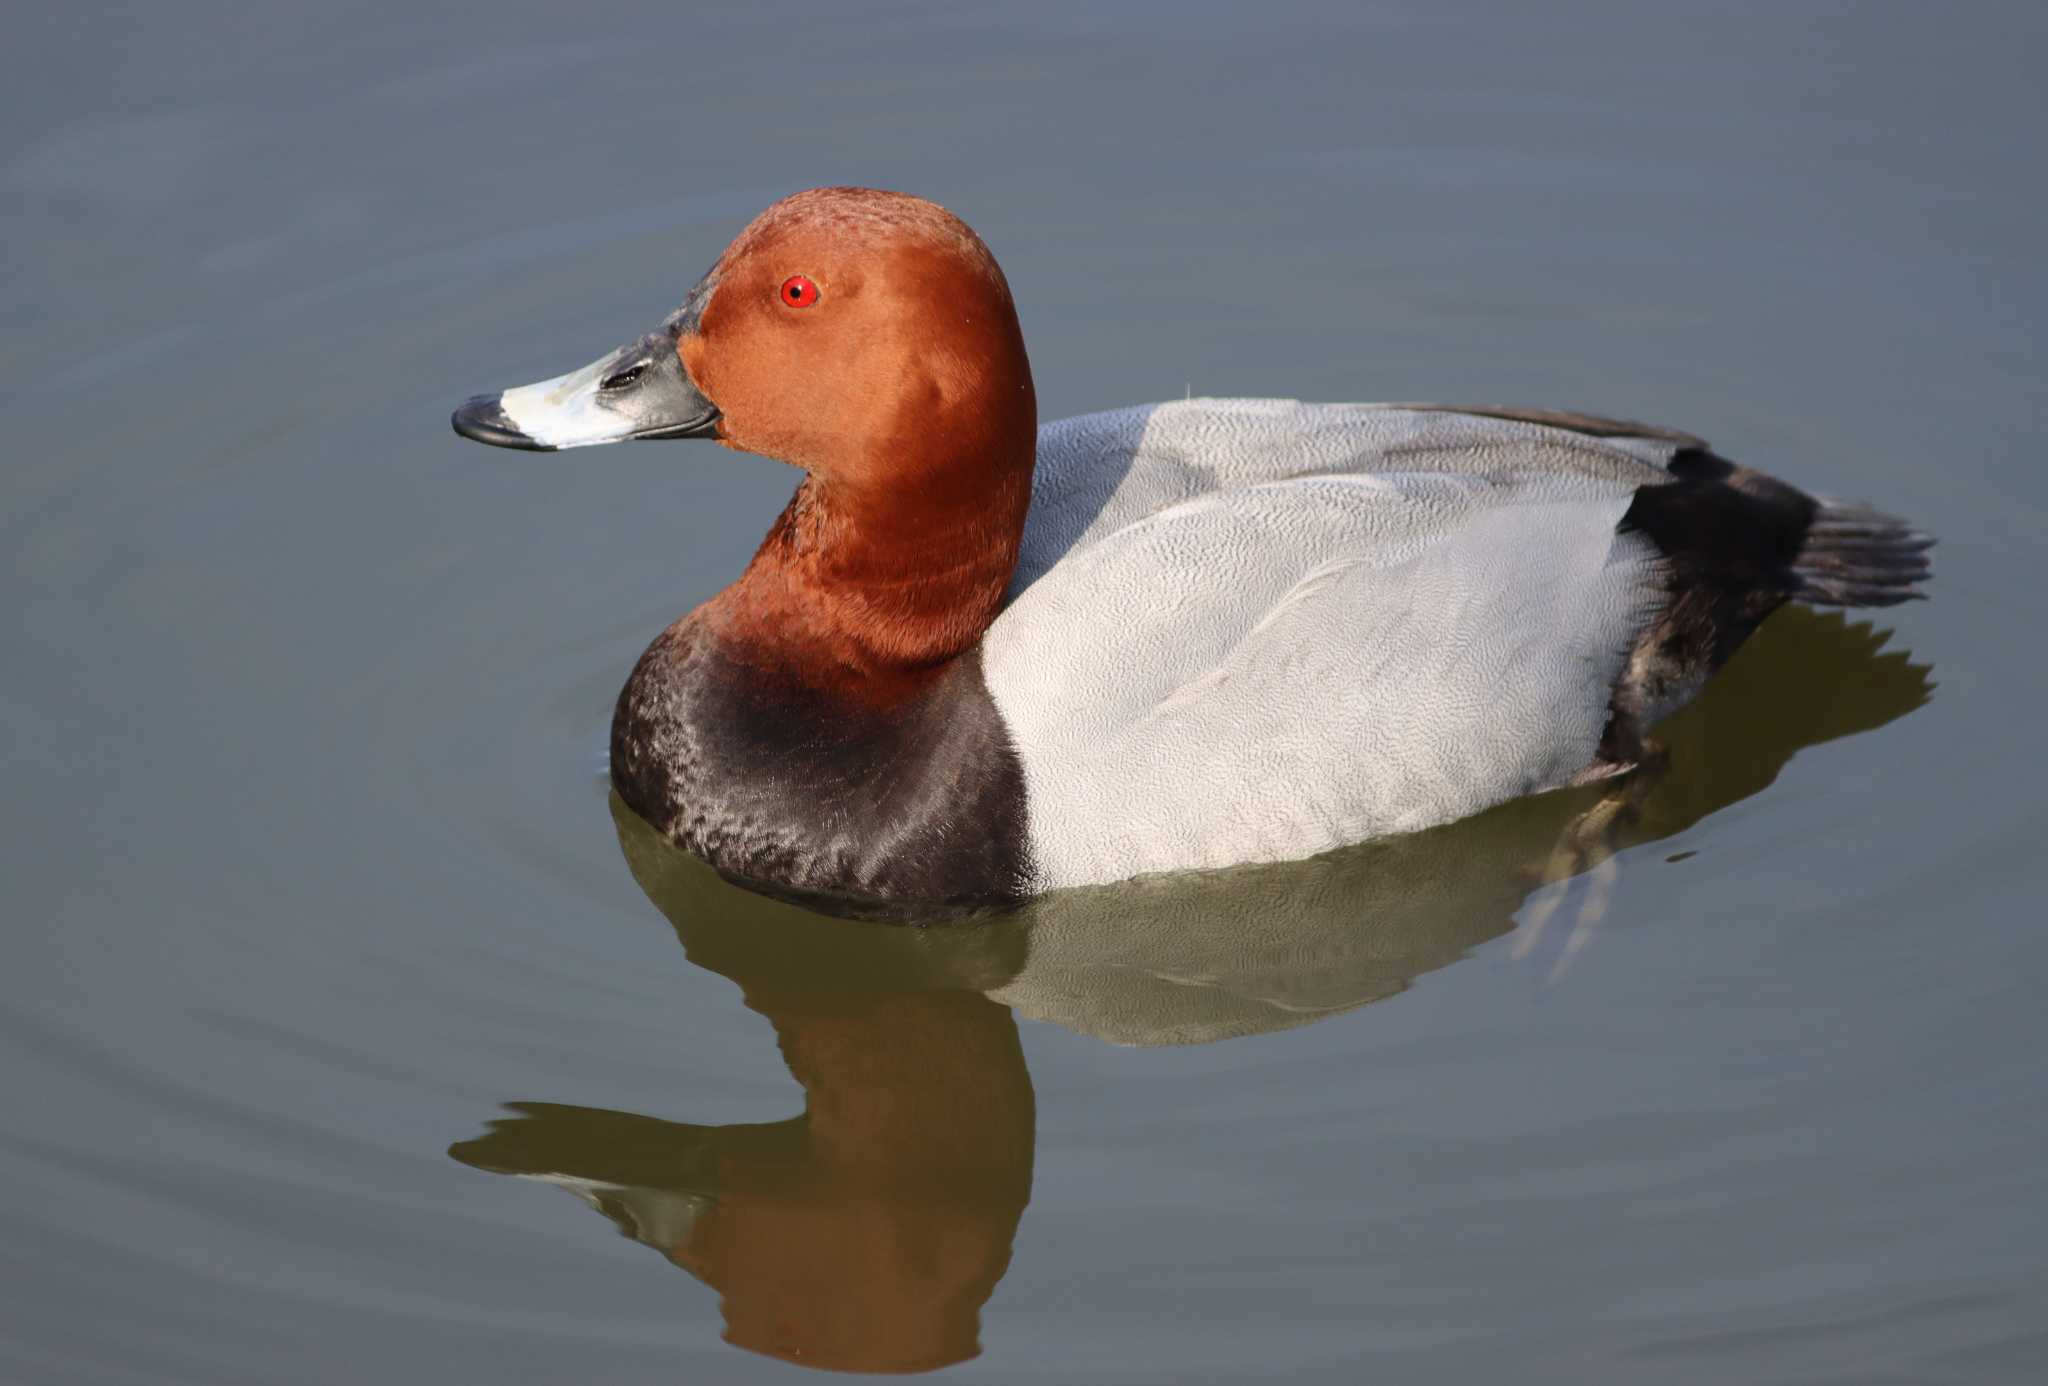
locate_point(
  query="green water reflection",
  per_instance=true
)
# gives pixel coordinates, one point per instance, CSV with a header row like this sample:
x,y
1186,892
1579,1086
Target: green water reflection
x,y
867,1232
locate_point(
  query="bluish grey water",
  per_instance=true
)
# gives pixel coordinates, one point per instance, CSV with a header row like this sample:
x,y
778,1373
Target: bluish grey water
x,y
312,873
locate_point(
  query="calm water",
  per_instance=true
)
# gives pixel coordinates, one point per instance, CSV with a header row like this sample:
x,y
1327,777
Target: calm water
x,y
313,881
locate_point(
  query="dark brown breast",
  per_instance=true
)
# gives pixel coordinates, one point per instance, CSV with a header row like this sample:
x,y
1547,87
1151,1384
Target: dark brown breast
x,y
802,789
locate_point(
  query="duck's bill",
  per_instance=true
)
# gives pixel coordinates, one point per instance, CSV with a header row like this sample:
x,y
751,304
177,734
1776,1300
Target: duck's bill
x,y
639,391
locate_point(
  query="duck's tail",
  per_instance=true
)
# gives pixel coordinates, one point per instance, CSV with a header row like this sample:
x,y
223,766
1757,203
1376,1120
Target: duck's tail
x,y
1853,555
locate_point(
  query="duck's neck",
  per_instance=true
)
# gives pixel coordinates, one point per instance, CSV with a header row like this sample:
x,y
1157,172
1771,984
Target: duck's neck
x,y
877,588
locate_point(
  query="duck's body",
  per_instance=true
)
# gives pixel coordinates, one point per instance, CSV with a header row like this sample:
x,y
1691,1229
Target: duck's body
x,y
1399,617
1194,634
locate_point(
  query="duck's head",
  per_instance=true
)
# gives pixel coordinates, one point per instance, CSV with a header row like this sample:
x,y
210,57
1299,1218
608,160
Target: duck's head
x,y
865,336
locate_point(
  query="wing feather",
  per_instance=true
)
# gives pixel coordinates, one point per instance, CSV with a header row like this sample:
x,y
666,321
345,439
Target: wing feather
x,y
1265,651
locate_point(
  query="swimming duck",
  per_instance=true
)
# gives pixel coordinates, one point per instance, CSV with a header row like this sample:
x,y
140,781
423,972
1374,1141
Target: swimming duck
x,y
978,659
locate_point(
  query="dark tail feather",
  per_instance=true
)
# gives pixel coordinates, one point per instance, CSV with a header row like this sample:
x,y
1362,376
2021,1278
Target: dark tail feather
x,y
1856,556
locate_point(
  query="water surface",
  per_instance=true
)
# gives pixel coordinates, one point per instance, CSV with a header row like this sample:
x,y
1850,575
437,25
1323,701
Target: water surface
x,y
314,881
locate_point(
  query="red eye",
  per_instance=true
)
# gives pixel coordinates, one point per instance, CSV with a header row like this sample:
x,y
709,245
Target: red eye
x,y
799,292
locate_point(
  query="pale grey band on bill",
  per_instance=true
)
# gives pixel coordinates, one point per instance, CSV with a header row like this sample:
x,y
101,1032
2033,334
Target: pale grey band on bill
x,y
638,391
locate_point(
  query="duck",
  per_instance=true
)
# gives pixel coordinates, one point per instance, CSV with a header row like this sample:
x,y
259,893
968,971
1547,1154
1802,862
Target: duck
x,y
977,659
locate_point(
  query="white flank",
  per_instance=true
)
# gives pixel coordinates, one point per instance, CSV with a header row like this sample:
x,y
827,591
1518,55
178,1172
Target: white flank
x,y
1274,628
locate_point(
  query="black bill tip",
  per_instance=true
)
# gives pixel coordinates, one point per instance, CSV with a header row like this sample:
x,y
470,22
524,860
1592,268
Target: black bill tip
x,y
484,420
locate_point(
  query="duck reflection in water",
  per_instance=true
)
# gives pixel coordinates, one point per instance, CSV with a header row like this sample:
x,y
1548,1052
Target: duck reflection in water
x,y
867,1233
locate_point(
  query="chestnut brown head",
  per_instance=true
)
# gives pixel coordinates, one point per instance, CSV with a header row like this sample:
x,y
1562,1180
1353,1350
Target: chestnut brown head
x,y
865,336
